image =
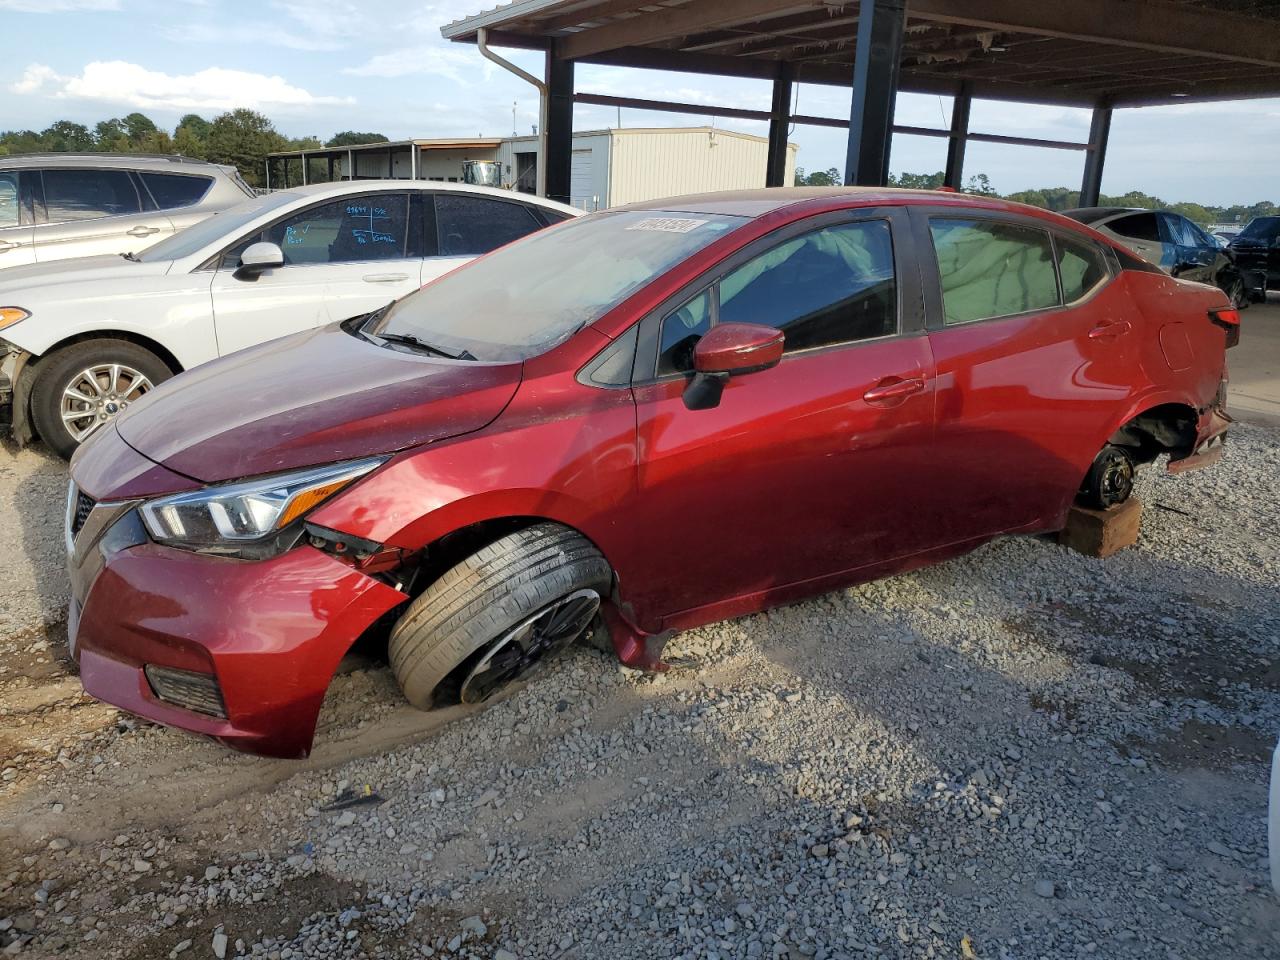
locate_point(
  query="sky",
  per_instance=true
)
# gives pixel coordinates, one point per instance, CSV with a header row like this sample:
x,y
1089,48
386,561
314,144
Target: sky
x,y
317,67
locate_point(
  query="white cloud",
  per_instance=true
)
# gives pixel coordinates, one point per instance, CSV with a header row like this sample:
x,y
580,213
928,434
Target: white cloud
x,y
57,6
244,35
130,84
436,61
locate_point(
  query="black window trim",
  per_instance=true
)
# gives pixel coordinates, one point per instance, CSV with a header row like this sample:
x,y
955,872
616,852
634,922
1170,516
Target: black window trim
x,y
906,281
932,277
44,206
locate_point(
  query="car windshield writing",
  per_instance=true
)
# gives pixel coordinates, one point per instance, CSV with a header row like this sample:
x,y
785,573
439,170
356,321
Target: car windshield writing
x,y
529,296
219,227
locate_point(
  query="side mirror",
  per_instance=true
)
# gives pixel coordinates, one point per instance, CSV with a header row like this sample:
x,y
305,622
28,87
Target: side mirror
x,y
730,350
257,258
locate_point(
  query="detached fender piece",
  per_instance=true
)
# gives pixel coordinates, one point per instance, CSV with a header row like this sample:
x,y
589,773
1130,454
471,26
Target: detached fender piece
x,y
14,368
1211,439
270,632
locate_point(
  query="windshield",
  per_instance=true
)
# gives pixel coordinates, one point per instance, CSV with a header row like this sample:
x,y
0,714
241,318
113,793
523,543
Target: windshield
x,y
1260,228
529,296
220,226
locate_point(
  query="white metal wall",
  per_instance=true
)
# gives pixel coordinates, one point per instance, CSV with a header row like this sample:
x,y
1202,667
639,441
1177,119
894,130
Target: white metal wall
x,y
441,164
648,164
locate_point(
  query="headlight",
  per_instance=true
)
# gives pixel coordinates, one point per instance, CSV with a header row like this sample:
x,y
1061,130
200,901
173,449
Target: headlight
x,y
232,517
11,315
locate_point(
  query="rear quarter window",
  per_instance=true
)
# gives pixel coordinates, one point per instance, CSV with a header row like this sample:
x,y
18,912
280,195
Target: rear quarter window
x,y
172,190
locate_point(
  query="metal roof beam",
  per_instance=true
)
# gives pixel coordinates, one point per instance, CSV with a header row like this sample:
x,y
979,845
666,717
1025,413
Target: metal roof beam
x,y
1144,24
687,20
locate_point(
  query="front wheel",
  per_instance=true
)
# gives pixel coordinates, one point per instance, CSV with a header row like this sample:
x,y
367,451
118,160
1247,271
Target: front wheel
x,y
81,388
498,615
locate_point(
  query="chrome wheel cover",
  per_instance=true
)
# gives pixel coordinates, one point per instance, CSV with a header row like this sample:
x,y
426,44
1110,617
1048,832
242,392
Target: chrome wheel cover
x,y
529,644
96,394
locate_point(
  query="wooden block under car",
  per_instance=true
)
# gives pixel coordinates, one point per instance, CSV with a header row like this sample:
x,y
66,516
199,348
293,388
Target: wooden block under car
x,y
1100,533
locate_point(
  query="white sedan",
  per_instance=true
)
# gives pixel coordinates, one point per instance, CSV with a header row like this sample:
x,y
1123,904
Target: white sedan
x,y
82,339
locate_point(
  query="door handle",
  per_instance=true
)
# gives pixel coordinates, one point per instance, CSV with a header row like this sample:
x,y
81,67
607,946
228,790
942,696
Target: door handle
x,y
385,277
143,231
6,246
893,389
1109,331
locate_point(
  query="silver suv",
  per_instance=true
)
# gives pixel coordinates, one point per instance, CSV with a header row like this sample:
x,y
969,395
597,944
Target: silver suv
x,y
59,205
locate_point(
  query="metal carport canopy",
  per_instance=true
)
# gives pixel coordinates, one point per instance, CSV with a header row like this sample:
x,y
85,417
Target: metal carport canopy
x,y
1092,53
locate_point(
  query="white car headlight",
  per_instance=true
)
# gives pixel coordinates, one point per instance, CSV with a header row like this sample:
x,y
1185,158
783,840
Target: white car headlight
x,y
228,517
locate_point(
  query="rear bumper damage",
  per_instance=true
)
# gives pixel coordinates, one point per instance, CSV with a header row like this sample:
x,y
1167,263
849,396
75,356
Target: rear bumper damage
x,y
1211,439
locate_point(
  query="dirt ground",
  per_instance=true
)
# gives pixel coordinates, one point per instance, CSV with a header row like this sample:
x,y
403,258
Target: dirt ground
x,y
1021,753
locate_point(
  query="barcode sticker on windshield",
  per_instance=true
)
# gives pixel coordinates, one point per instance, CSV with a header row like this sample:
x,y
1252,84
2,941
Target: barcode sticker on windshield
x,y
667,224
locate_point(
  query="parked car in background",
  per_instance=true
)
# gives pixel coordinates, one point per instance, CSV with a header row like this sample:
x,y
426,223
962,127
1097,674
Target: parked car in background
x,y
643,420
81,340
1257,248
1174,244
1224,237
54,206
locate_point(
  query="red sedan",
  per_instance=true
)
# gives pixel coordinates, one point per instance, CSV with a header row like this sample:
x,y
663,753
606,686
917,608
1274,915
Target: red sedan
x,y
629,424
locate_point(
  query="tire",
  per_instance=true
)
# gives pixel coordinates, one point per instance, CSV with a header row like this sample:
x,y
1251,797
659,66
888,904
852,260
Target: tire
x,y
459,642
1110,479
140,371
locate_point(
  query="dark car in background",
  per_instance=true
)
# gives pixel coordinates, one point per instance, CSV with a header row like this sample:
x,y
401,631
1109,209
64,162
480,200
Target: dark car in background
x,y
1175,245
1257,250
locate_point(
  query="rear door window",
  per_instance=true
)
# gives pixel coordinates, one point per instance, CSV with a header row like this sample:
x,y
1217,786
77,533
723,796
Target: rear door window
x,y
468,226
89,194
173,190
992,268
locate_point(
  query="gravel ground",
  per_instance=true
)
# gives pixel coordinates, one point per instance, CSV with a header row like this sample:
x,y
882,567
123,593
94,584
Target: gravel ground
x,y
1024,753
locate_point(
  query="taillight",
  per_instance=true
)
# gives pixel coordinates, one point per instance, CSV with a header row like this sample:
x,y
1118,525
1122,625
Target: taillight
x,y
1228,319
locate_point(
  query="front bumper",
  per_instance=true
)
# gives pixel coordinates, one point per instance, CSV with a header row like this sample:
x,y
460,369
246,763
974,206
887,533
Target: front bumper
x,y
271,632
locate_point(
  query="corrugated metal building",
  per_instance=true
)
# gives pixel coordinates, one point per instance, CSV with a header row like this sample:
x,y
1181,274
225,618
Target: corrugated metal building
x,y
617,166
610,167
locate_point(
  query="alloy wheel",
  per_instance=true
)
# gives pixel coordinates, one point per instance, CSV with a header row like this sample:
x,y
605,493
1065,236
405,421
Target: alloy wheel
x,y
97,394
530,643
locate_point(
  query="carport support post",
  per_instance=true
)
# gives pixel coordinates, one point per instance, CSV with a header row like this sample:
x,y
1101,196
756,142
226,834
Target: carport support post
x,y
558,162
779,125
959,136
877,56
1096,156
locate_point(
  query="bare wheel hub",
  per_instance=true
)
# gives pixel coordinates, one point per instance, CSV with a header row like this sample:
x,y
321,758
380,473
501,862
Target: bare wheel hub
x,y
530,643
1116,480
97,394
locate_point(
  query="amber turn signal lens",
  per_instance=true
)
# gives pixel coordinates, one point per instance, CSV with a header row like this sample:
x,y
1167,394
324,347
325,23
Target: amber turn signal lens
x,y
305,501
11,315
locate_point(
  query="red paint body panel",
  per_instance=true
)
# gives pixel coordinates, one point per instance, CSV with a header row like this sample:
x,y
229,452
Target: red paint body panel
x,y
272,632
837,465
319,396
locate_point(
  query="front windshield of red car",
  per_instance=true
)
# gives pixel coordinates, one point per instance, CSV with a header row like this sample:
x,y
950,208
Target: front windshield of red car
x,y
527,297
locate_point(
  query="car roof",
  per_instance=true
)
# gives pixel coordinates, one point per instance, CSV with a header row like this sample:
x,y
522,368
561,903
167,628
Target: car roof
x,y
142,161
757,203
1094,214
341,188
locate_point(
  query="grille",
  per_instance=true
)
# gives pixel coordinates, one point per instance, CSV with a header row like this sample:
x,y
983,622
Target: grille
x,y
80,512
185,688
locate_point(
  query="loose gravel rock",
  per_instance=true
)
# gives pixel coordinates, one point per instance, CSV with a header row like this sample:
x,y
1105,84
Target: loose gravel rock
x,y
1021,753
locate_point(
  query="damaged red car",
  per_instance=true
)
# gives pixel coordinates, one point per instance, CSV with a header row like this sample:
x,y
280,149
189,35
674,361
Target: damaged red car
x,y
628,424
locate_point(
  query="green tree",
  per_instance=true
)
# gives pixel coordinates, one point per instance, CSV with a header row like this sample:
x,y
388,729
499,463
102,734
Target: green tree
x,y
918,181
349,138
110,135
191,135
64,135
244,138
138,127
819,178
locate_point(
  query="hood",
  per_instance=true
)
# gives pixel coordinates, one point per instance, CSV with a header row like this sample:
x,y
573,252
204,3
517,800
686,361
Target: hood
x,y
316,397
108,266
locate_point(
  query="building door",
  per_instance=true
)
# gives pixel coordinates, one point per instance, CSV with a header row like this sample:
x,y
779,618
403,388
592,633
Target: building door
x,y
582,182
527,172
